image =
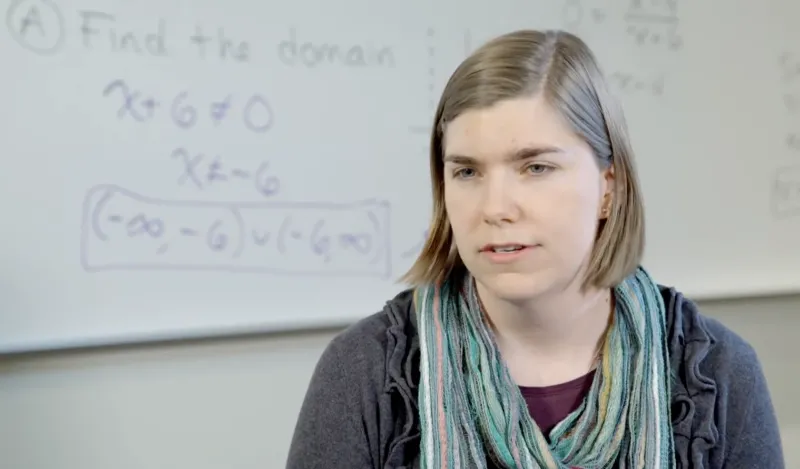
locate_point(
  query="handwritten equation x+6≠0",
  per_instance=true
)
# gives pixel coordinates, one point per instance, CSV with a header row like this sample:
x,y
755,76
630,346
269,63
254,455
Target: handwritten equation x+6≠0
x,y
255,112
123,230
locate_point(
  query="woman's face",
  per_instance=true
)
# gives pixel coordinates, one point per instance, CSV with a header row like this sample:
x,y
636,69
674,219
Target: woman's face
x,y
524,196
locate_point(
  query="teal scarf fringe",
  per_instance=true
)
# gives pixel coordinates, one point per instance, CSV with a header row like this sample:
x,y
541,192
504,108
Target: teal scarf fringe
x,y
471,409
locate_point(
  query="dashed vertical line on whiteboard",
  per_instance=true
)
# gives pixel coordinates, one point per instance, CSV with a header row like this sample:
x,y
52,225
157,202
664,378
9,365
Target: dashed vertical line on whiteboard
x,y
430,62
431,70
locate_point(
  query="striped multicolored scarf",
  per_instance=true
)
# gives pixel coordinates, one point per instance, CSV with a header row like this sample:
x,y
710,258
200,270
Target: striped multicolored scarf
x,y
471,409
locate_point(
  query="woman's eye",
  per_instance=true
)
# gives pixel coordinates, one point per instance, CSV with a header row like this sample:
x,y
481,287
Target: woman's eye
x,y
538,168
464,173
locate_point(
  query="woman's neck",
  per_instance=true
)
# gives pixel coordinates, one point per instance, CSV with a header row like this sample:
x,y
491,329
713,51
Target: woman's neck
x,y
551,339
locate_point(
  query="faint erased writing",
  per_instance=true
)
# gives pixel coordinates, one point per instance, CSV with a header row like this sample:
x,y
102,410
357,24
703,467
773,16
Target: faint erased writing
x,y
785,194
791,102
793,141
789,70
789,67
125,230
629,83
654,23
575,13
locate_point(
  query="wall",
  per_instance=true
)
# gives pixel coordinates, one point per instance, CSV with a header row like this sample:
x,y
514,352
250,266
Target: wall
x,y
231,404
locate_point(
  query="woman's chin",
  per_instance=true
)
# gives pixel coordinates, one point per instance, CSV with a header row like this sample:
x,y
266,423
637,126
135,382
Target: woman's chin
x,y
514,286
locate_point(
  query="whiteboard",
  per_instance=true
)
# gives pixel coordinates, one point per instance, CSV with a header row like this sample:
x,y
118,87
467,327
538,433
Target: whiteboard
x,y
184,169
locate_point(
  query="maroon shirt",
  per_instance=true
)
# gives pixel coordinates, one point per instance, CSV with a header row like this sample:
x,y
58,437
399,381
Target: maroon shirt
x,y
550,405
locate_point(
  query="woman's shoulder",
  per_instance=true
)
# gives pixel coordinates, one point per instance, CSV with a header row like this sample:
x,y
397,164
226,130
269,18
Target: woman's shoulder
x,y
696,337
360,404
372,337
721,407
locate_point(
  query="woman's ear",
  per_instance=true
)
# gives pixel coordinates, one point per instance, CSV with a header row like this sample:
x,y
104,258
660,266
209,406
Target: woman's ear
x,y
607,202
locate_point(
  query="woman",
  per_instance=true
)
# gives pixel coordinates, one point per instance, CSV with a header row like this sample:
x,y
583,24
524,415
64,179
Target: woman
x,y
532,337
